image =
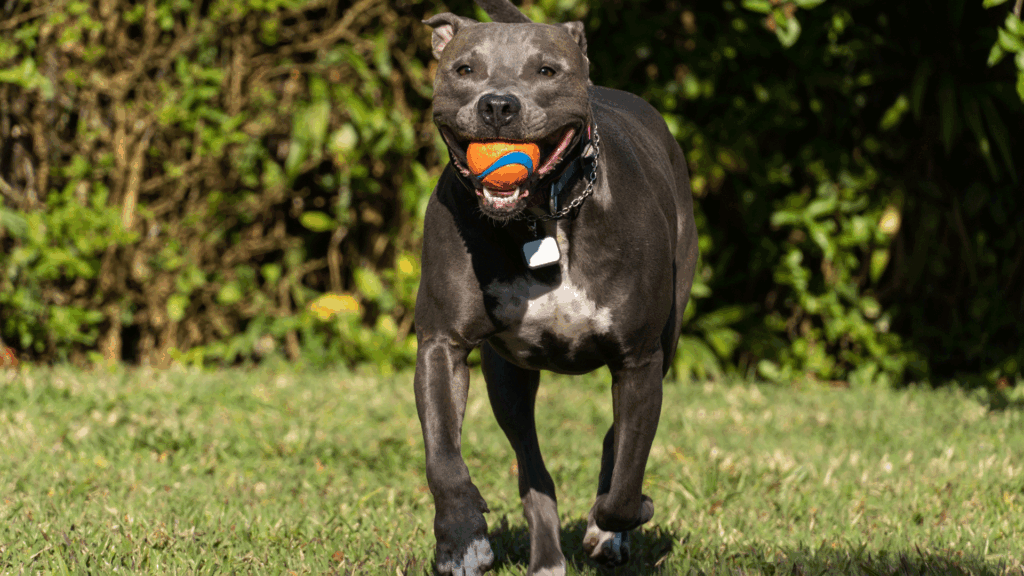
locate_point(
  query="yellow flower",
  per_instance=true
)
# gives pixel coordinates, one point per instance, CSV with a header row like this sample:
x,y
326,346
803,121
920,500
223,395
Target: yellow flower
x,y
890,221
404,265
327,305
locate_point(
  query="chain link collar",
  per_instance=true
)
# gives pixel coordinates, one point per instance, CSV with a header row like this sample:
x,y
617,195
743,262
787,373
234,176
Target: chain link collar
x,y
532,219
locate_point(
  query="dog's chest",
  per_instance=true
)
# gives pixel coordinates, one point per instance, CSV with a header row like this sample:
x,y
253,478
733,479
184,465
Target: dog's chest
x,y
547,324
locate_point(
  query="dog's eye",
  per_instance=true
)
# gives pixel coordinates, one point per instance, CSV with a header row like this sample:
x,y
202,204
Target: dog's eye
x,y
464,70
547,71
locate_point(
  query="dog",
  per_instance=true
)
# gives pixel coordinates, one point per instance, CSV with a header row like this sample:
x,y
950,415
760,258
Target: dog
x,y
585,260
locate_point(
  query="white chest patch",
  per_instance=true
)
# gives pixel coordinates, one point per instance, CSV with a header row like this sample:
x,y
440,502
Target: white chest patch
x,y
532,309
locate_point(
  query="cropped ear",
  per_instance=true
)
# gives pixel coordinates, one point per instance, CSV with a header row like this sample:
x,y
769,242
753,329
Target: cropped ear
x,y
445,26
503,11
575,30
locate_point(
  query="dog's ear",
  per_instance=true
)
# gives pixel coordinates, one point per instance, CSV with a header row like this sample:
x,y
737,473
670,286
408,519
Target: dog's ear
x,y
503,11
445,26
575,30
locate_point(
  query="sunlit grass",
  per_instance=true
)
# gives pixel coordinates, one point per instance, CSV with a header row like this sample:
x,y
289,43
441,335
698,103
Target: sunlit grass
x,y
277,472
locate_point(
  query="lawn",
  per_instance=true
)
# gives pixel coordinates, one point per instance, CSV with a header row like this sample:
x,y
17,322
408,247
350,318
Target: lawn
x,y
276,472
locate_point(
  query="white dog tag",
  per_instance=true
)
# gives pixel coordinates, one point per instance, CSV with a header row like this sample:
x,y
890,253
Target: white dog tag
x,y
539,253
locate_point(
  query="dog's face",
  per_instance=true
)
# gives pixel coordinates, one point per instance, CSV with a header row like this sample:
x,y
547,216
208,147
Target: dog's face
x,y
514,82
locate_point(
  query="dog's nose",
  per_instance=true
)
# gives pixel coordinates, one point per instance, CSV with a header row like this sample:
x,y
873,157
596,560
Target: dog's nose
x,y
496,110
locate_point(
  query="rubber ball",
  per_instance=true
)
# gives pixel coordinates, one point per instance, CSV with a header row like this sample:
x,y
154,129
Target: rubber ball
x,y
502,165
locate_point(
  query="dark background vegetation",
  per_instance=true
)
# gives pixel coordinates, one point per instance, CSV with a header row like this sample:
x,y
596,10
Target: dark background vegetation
x,y
222,181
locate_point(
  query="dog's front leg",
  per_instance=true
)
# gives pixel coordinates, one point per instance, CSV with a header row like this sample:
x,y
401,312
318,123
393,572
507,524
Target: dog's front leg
x,y
636,405
442,385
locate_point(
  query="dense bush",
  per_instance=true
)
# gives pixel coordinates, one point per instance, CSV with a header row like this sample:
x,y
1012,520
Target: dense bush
x,y
224,180
184,178
860,185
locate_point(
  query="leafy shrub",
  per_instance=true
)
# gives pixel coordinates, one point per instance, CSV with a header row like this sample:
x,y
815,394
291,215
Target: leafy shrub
x,y
854,175
231,180
229,162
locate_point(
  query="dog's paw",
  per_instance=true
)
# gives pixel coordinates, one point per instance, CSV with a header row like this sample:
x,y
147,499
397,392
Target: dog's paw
x,y
461,532
616,519
474,560
608,548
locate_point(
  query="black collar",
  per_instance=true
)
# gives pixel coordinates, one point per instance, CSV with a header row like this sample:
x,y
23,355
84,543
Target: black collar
x,y
572,172
554,184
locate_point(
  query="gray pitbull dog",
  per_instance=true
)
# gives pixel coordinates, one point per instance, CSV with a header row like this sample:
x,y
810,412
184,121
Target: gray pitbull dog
x,y
586,263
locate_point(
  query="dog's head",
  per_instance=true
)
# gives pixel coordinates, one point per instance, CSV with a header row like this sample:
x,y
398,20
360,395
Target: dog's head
x,y
521,82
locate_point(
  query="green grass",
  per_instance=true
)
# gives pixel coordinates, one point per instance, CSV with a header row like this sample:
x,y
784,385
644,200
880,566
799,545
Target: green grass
x,y
184,472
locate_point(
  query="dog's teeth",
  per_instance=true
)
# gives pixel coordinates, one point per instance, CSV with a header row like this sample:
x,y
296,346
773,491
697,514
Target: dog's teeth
x,y
502,200
492,193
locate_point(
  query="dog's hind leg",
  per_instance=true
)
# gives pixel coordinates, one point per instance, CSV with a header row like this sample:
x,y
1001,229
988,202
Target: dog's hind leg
x,y
608,548
620,506
513,391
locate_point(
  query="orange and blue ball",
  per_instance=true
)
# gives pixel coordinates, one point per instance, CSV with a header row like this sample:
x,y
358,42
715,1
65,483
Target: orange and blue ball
x,y
502,165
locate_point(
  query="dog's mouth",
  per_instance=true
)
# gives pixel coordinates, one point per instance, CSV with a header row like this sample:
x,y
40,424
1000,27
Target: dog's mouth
x,y
505,201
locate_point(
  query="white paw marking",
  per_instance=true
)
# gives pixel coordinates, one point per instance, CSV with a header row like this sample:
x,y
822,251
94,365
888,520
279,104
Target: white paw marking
x,y
606,547
477,560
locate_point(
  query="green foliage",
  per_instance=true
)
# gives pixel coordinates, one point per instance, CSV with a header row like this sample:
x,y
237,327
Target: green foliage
x,y
228,170
830,172
242,176
836,325
26,75
1010,41
66,243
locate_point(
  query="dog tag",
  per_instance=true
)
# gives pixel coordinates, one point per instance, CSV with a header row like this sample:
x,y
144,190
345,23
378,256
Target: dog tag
x,y
540,253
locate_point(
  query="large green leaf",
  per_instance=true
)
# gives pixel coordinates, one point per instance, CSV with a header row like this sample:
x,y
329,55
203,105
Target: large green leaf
x,y
317,221
761,6
787,30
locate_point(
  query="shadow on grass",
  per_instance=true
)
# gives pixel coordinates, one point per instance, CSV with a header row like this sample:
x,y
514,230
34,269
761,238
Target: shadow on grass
x,y
649,548
998,400
655,550
998,396
844,559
